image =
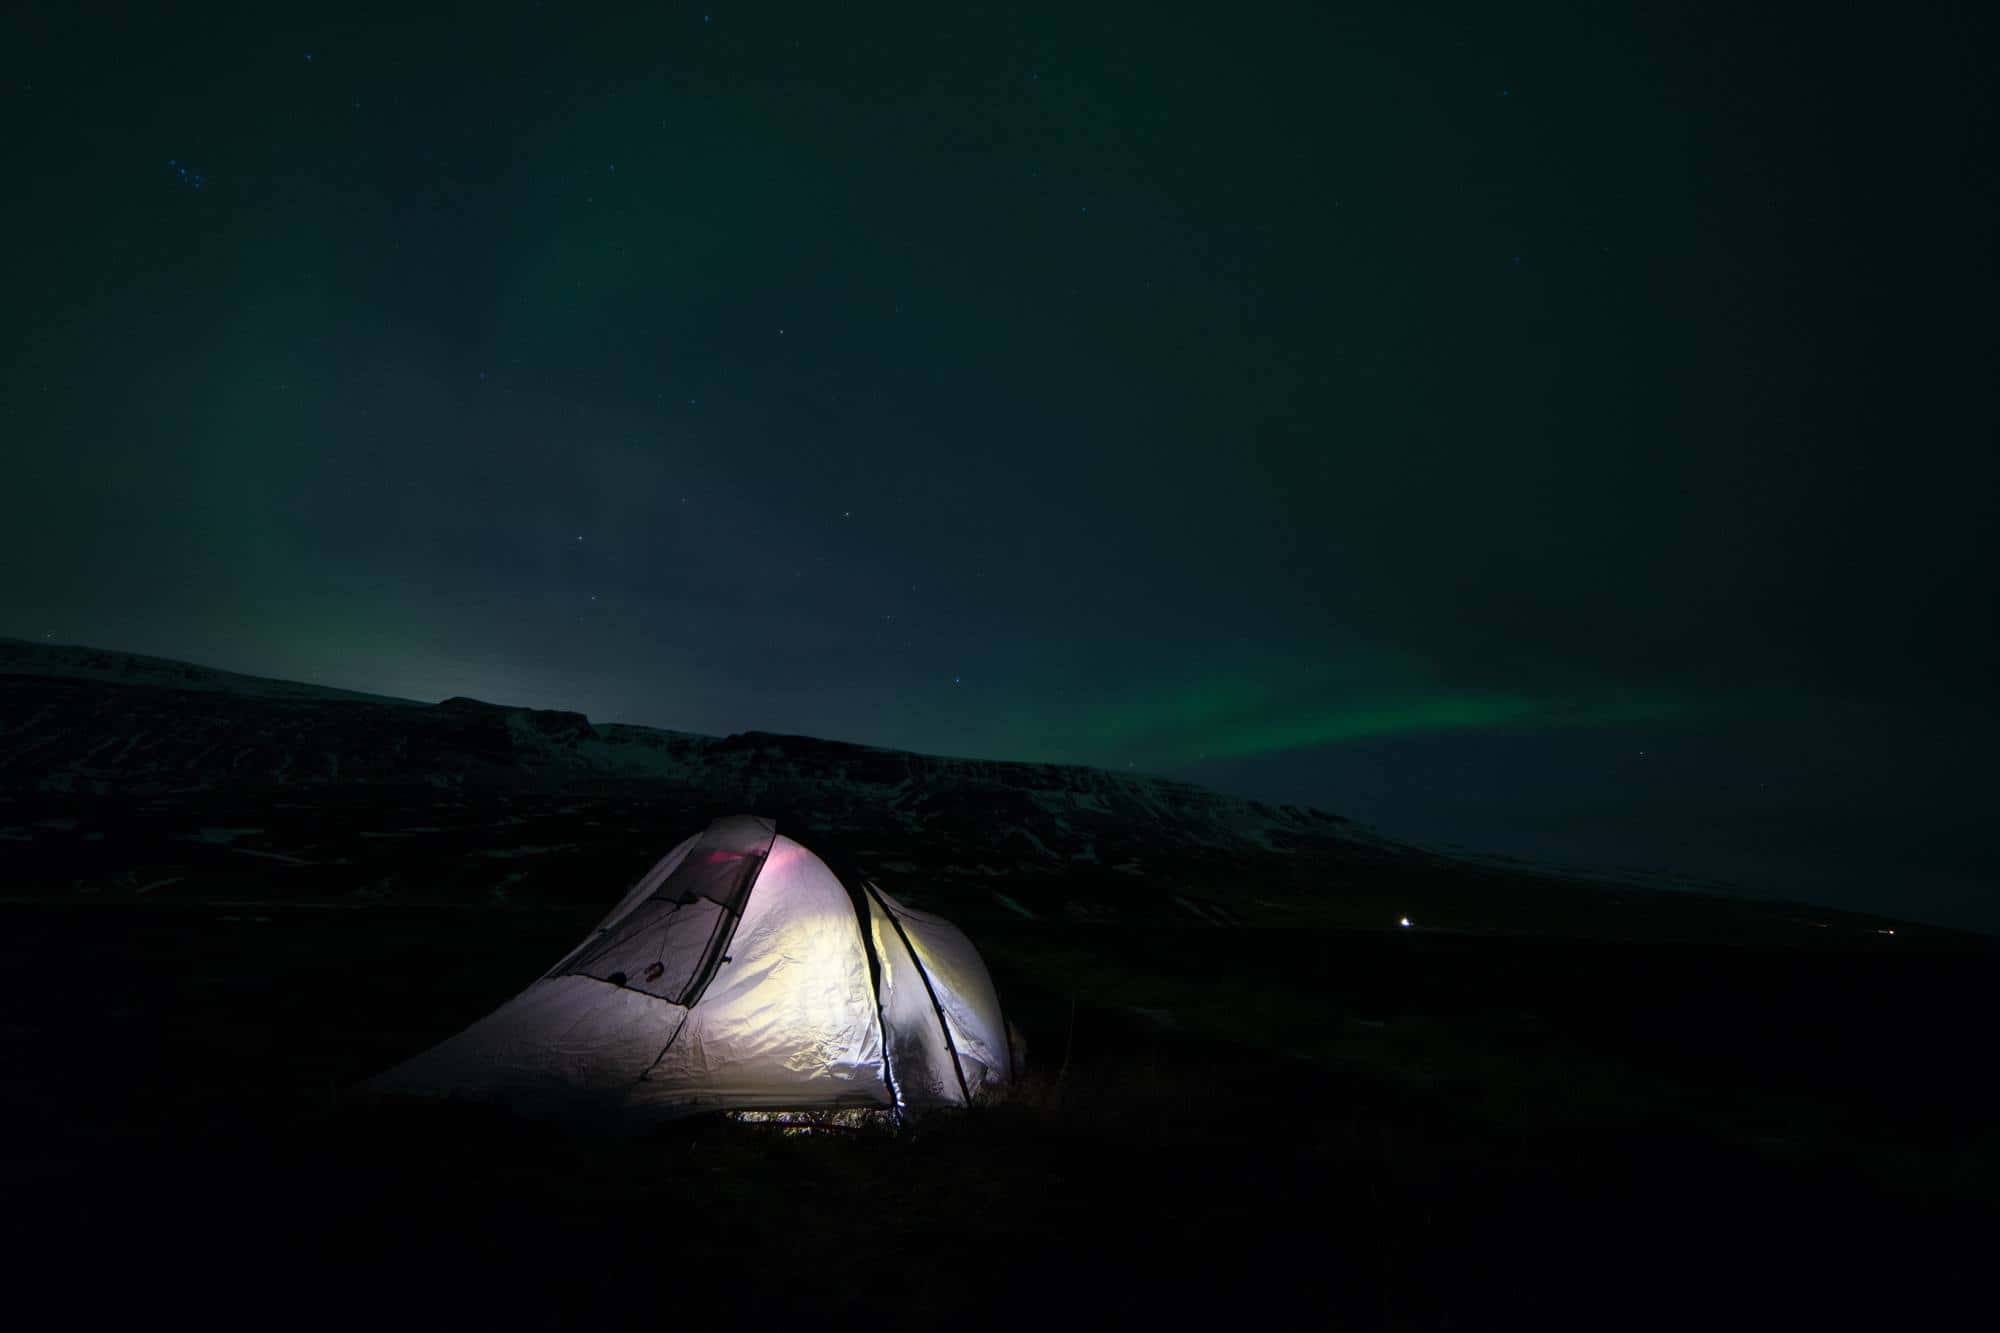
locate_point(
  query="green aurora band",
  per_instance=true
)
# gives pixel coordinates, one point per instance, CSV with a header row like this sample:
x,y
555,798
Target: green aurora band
x,y
1239,720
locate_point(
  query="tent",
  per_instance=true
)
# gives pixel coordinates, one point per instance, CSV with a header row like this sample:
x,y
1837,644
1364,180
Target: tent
x,y
739,973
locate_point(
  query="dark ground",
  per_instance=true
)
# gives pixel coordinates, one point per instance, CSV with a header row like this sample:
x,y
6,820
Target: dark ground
x,y
1302,1127
1251,1101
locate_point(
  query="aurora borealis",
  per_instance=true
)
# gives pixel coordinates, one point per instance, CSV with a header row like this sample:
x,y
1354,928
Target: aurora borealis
x,y
1434,418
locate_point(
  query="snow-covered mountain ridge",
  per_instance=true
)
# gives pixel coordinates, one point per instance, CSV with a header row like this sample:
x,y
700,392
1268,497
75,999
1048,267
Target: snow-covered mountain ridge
x,y
140,779
87,721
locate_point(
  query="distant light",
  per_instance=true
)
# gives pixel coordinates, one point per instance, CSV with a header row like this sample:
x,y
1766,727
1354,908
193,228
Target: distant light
x,y
1880,931
1404,923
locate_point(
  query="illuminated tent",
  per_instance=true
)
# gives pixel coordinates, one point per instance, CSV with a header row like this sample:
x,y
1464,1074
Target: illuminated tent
x,y
738,973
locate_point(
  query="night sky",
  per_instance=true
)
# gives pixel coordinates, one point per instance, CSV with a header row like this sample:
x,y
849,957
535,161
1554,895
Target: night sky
x,y
1561,433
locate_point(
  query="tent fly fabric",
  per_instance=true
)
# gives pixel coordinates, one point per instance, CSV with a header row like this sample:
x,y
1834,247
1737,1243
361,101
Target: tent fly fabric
x,y
739,973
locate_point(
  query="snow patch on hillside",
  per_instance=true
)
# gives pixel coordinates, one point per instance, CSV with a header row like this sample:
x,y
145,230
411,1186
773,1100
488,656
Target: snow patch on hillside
x,y
24,657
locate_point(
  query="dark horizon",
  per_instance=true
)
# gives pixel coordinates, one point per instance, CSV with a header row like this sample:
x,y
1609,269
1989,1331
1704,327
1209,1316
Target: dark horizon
x,y
1460,836
1568,440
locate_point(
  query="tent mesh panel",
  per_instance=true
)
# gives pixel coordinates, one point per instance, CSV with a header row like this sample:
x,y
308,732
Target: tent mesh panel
x,y
670,945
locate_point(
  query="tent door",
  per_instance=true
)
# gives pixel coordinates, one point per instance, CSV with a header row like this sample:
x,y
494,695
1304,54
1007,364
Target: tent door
x,y
670,945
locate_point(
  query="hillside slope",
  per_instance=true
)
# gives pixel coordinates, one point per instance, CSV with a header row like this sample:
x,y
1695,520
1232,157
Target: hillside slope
x,y
127,775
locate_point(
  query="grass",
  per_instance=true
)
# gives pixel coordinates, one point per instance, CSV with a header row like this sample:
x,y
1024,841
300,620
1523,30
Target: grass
x,y
1283,1127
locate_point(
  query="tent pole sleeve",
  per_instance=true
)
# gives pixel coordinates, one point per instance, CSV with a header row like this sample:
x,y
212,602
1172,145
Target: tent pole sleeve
x,y
647,1072
861,914
930,990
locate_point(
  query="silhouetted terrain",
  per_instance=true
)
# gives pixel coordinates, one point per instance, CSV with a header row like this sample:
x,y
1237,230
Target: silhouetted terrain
x,y
1251,1095
126,776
